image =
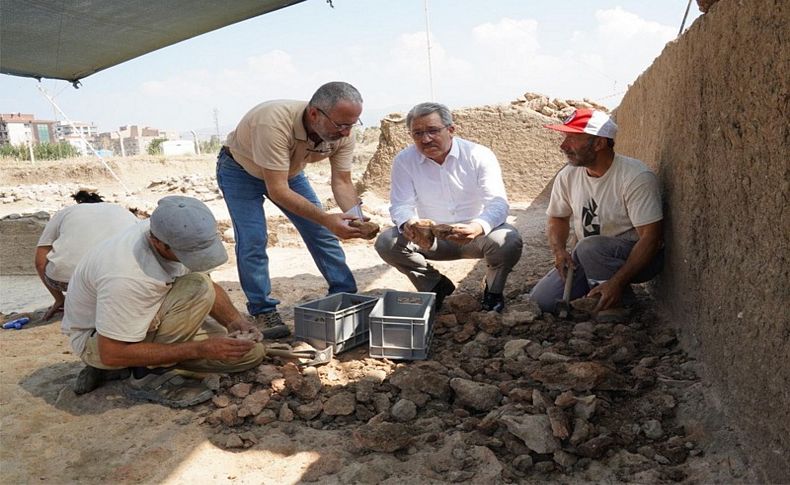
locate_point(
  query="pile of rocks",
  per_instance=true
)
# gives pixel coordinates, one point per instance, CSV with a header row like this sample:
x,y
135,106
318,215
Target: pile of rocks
x,y
554,108
38,193
201,187
503,396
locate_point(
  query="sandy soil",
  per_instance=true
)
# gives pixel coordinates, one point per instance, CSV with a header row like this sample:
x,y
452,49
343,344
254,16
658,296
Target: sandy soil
x,y
49,434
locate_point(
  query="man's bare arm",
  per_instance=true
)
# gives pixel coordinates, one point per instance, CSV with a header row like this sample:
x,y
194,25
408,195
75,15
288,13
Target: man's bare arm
x,y
558,230
41,267
116,353
281,193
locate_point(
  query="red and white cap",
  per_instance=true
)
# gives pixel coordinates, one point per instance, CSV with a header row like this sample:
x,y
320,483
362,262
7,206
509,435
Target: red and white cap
x,y
590,121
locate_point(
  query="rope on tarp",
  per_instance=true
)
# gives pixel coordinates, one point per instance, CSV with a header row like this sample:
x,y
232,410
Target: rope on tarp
x,y
82,137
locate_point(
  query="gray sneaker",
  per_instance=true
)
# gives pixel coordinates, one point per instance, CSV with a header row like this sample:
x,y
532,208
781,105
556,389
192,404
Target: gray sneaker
x,y
271,325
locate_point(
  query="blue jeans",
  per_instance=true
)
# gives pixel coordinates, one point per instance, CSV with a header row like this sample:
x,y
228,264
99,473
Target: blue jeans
x,y
244,196
597,258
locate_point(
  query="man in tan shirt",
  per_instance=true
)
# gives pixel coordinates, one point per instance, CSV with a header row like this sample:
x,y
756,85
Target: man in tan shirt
x,y
264,157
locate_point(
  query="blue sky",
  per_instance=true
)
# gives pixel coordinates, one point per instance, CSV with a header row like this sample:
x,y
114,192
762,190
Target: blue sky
x,y
483,52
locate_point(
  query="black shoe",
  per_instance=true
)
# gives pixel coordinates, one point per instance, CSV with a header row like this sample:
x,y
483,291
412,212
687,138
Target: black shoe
x,y
493,301
90,378
443,289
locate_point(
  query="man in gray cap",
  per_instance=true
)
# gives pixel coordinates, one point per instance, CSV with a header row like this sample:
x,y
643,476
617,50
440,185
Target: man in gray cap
x,y
614,203
138,301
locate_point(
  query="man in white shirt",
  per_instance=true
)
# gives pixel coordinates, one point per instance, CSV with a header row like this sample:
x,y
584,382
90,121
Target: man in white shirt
x,y
139,299
615,203
448,180
72,233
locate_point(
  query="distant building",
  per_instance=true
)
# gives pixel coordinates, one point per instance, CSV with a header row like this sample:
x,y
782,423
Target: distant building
x,y
66,130
22,128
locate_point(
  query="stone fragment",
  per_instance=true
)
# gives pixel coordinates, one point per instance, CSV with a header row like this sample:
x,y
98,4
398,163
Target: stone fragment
x,y
341,404
544,466
381,402
652,429
580,376
362,473
404,410
254,403
522,462
475,349
476,395
228,416
521,313
221,400
560,426
585,406
565,400
534,350
596,447
310,410
488,322
564,459
327,464
242,389
266,373
540,400
383,437
534,430
465,333
265,417
446,320
581,431
411,378
377,376
234,441
553,357
279,386
514,349
364,390
461,303
586,305
285,414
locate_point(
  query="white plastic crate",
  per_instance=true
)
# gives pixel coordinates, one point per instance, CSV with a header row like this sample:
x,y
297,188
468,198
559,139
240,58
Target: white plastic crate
x,y
339,320
401,325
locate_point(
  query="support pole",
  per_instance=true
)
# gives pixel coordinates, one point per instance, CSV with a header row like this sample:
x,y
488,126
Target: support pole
x,y
82,137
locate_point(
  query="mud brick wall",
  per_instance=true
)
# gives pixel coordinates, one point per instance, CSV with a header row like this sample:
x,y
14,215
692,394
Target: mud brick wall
x,y
711,116
18,239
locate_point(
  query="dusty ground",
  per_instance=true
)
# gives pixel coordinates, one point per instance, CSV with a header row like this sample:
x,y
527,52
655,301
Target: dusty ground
x,y
50,435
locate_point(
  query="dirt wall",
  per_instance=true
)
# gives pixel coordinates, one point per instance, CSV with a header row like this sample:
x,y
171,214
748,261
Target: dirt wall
x,y
19,235
710,115
528,153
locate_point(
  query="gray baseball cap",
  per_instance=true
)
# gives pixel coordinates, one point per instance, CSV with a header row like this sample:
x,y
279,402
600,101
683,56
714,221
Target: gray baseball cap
x,y
189,228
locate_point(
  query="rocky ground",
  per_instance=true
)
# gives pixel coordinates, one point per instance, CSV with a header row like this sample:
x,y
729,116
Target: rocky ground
x,y
518,397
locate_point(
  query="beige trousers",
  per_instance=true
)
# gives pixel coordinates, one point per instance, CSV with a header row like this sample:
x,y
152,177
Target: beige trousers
x,y
181,319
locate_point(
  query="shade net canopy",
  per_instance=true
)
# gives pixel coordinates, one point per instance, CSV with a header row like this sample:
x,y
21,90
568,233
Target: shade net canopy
x,y
72,39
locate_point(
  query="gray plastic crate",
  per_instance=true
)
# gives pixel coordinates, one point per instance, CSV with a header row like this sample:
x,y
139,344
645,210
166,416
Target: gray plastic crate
x,y
339,320
401,325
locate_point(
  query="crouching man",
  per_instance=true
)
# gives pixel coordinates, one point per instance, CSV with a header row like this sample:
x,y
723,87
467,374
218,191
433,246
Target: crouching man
x,y
453,189
136,303
614,203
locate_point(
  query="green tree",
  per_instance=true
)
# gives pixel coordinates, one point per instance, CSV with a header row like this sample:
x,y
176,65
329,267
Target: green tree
x,y
155,147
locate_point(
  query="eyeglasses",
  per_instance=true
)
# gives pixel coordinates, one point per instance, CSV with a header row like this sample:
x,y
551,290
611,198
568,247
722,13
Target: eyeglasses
x,y
431,132
339,126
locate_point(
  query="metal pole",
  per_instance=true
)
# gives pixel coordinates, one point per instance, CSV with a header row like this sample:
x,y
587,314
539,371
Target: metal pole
x,y
82,137
197,144
685,15
428,41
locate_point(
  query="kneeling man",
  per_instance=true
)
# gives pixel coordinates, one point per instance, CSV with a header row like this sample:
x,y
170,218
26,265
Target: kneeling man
x,y
138,302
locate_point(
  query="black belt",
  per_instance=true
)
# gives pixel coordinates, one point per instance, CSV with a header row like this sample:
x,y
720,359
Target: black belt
x,y
226,150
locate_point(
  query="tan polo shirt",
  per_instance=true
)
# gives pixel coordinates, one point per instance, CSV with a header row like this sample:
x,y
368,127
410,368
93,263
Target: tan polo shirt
x,y
273,136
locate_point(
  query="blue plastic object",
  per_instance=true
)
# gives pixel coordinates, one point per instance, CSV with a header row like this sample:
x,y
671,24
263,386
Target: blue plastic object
x,y
17,323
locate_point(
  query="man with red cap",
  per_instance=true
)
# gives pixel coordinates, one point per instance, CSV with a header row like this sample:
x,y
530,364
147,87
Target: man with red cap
x,y
614,203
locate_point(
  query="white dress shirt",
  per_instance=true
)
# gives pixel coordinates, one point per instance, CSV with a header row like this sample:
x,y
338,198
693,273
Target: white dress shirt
x,y
466,188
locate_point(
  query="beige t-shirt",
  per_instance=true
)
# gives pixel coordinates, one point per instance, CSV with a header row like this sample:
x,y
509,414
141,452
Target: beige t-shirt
x,y
625,197
75,230
117,289
272,135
